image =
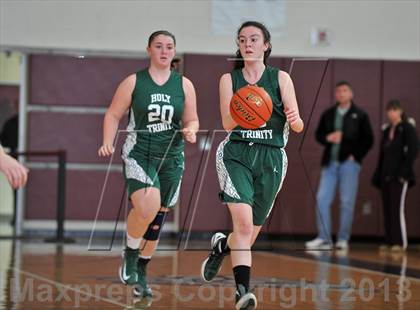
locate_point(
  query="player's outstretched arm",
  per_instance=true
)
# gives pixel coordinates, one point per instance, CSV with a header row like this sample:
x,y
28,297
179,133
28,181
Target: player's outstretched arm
x,y
226,93
190,117
119,105
16,174
288,95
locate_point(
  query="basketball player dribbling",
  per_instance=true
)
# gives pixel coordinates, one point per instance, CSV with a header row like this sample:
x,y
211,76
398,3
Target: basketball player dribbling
x,y
251,163
162,104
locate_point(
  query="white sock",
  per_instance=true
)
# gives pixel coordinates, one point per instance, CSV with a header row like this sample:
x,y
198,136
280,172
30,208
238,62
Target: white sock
x,y
145,257
133,243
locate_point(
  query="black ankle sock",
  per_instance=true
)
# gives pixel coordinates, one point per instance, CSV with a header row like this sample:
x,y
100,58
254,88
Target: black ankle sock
x,y
224,245
144,261
242,274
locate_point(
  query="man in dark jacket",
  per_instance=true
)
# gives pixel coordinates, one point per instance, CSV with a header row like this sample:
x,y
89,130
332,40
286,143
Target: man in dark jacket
x,y
345,132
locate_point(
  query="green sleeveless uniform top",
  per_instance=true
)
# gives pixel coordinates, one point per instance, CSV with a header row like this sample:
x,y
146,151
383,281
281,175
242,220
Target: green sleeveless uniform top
x,y
276,131
155,117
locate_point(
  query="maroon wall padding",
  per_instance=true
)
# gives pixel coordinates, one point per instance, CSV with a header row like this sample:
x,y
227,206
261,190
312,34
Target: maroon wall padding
x,y
92,82
79,134
9,93
88,82
83,192
294,210
64,80
200,206
205,72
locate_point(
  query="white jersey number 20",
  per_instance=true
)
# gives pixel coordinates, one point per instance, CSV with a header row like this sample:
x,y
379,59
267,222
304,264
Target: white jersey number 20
x,y
163,114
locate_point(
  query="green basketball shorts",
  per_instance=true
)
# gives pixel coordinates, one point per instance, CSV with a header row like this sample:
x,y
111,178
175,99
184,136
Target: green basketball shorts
x,y
141,171
252,174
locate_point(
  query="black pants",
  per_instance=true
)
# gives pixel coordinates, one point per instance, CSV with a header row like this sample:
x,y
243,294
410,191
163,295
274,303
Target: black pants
x,y
393,201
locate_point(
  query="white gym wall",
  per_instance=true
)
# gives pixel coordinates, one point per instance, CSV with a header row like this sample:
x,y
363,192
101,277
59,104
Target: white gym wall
x,y
385,29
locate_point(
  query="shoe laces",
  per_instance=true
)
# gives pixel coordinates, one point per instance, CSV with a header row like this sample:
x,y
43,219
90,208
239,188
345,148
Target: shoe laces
x,y
216,253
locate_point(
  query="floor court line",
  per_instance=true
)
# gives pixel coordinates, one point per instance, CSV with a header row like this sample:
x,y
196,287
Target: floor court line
x,y
302,259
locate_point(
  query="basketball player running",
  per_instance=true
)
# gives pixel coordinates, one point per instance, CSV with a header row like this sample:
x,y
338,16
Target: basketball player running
x,y
251,166
161,103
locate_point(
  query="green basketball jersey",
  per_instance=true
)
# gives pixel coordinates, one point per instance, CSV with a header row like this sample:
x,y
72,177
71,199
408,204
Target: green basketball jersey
x,y
156,117
276,131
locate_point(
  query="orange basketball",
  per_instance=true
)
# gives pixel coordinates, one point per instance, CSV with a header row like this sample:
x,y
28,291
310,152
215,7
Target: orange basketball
x,y
251,107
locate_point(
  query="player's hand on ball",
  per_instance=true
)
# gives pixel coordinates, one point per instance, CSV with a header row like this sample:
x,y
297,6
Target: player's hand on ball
x,y
189,134
106,150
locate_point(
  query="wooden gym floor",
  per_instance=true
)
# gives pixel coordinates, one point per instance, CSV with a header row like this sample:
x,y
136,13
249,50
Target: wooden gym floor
x,y
37,275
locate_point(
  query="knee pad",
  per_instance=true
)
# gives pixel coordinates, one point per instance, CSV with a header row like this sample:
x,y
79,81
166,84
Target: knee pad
x,y
153,231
